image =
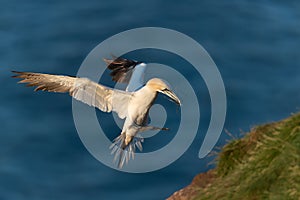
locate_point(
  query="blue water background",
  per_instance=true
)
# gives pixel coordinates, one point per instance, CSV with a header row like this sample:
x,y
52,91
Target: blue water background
x,y
255,45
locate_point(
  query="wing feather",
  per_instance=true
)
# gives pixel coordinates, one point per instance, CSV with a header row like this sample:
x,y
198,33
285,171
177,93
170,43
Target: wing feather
x,y
127,71
121,68
82,89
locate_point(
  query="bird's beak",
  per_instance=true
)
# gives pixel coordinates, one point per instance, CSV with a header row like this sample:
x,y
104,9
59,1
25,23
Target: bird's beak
x,y
172,96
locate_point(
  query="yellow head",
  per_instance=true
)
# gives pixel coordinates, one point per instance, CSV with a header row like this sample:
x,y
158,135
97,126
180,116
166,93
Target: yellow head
x,y
159,85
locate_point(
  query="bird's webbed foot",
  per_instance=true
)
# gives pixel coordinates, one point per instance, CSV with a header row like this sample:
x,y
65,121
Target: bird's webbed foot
x,y
152,128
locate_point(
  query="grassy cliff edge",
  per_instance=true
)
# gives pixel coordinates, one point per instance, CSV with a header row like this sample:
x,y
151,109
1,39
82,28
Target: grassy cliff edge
x,y
264,164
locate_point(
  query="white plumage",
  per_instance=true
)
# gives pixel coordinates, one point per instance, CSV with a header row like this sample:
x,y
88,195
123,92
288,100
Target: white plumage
x,y
132,105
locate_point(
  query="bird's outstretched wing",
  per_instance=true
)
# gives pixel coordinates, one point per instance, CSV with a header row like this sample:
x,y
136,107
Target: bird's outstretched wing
x,y
127,71
82,89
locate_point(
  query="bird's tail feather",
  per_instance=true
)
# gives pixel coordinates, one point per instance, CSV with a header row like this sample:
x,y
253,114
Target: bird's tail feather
x,y
123,153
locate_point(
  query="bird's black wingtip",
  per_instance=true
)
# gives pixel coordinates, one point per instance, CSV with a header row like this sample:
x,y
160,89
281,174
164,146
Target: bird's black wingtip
x,y
121,68
17,74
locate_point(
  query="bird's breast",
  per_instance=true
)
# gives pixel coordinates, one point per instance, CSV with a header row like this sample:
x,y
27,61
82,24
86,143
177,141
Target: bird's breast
x,y
140,104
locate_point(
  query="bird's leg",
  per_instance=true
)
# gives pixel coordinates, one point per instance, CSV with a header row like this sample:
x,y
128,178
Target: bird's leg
x,y
152,128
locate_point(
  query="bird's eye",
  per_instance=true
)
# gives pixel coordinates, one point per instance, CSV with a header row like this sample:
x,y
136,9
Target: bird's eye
x,y
166,89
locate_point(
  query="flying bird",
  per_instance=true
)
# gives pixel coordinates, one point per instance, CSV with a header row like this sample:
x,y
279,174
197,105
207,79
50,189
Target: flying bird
x,y
133,104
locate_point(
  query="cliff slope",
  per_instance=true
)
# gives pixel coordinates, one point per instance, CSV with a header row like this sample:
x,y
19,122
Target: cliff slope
x,y
264,164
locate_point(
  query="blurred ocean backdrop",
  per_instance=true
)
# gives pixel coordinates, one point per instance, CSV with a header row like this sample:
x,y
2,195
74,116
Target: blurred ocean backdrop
x,y
255,45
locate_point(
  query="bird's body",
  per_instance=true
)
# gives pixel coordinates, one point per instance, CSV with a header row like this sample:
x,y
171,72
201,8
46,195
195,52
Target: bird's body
x,y
133,106
140,104
138,110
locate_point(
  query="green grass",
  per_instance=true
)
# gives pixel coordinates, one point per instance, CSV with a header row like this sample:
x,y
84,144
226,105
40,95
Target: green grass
x,y
265,164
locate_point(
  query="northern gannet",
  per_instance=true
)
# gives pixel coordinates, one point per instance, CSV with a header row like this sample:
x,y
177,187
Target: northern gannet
x,y
133,104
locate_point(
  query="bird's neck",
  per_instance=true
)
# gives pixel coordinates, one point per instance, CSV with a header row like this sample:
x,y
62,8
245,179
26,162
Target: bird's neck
x,y
147,94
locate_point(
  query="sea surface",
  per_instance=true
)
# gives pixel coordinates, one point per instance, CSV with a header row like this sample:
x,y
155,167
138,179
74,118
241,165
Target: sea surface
x,y
255,45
